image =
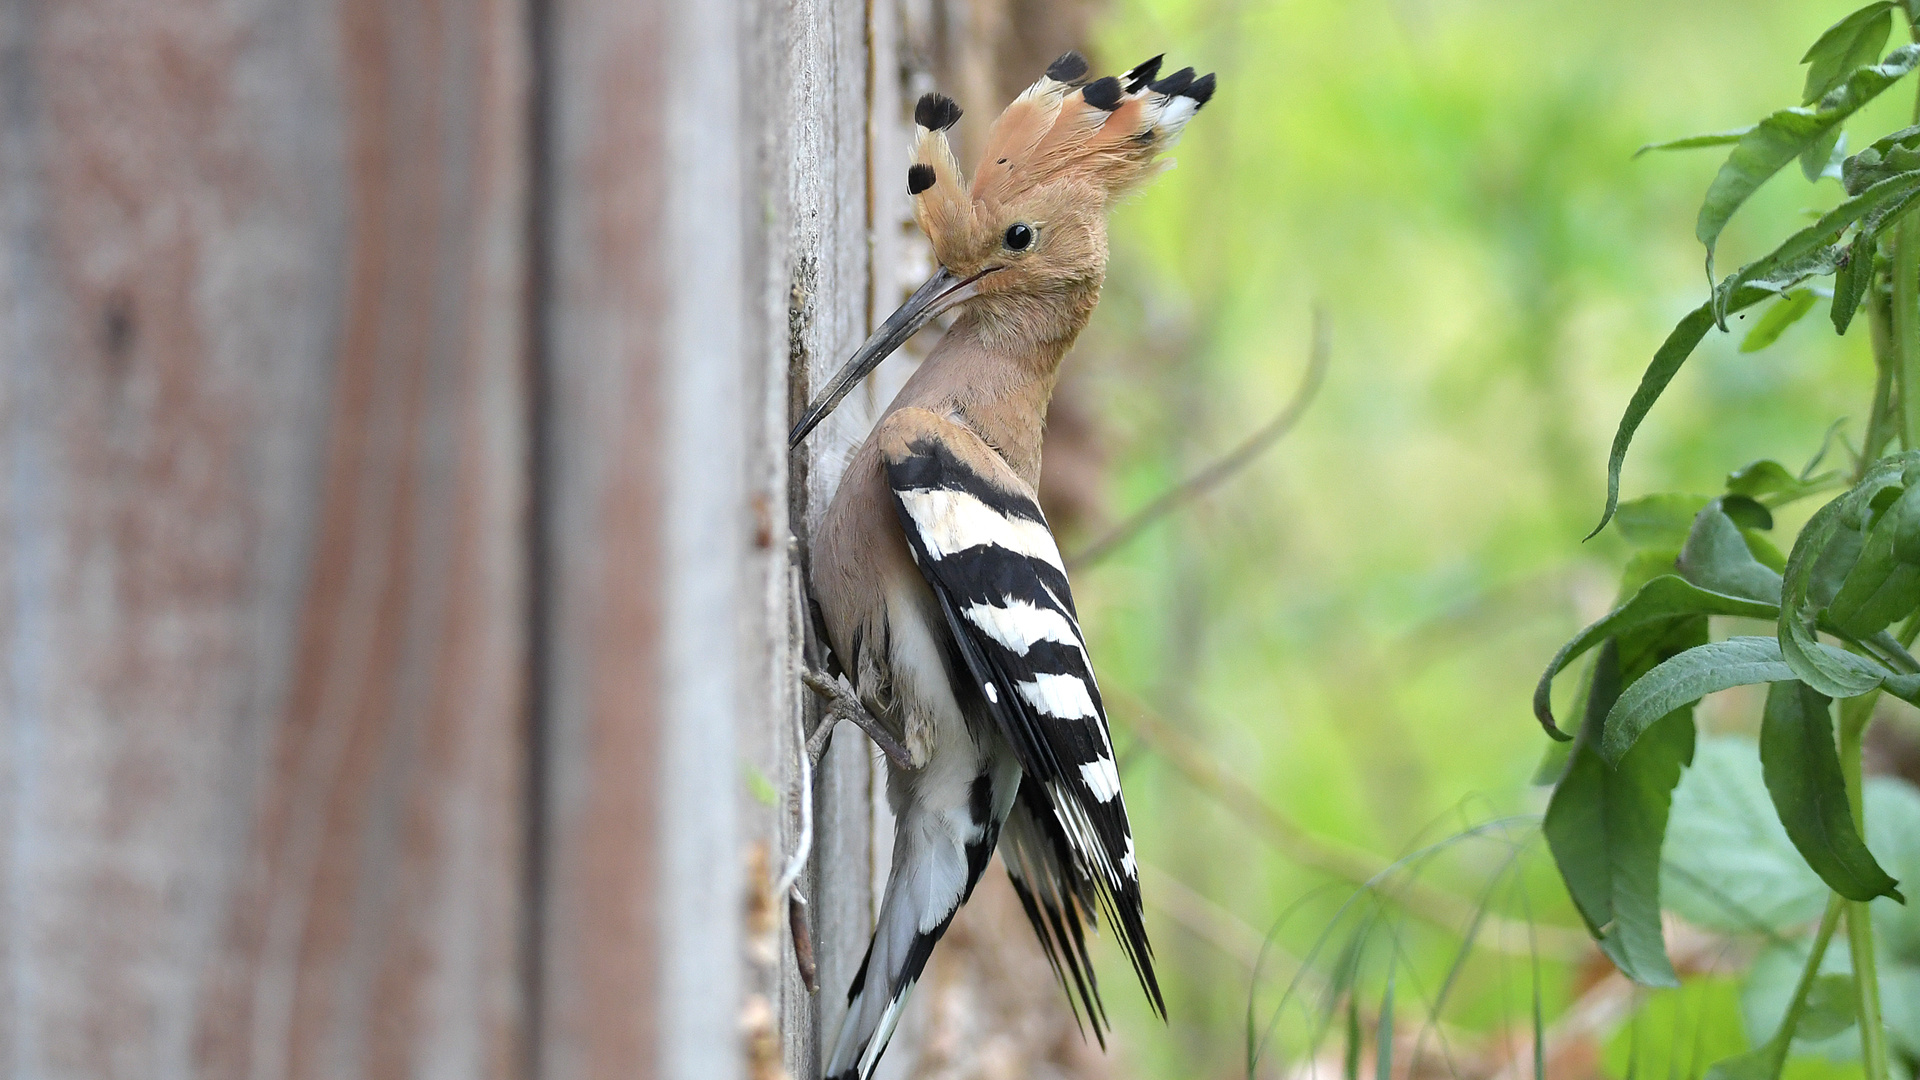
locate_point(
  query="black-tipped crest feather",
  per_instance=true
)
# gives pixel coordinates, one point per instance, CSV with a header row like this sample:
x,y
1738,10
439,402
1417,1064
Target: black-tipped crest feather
x,y
1143,73
1103,93
1202,89
919,178
1175,82
936,112
1071,67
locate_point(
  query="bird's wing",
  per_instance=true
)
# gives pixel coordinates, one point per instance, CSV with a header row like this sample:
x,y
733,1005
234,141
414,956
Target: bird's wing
x,y
976,532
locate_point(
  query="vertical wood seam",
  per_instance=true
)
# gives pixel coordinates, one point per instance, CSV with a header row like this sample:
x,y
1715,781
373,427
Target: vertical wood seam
x,y
537,525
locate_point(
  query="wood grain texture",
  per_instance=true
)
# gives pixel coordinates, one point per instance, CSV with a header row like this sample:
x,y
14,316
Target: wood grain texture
x,y
394,506
262,559
649,648
601,497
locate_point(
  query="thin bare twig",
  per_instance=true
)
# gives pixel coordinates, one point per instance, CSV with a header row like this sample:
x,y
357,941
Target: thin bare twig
x,y
1222,470
810,748
1298,844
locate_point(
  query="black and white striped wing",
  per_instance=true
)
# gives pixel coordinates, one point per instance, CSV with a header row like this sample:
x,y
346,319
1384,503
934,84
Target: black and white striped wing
x,y
980,540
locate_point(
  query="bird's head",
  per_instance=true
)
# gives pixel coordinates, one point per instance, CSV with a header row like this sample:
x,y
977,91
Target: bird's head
x,y
1025,246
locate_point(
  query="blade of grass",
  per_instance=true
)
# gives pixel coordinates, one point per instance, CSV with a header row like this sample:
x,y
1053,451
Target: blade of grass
x,y
1539,1011
1383,1032
1257,1044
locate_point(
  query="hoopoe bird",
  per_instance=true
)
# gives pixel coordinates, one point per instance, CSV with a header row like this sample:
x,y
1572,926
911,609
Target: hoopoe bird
x,y
942,590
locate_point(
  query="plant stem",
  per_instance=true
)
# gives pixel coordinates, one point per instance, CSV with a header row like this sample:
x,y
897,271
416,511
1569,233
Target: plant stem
x,y
1783,1037
1906,325
1855,715
1882,418
1906,304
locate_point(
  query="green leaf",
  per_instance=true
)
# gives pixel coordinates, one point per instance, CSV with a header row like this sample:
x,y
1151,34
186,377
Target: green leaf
x,y
1802,771
1716,558
1746,512
1881,587
1770,985
1553,764
1814,249
1738,661
1764,552
1831,553
1771,325
1813,576
1728,863
1761,1064
1576,821
1830,1008
1889,155
1903,520
1659,520
1824,555
1847,46
1851,673
1783,136
1672,353
1825,160
1605,825
1900,1006
1695,142
1893,834
1687,678
1852,276
1664,598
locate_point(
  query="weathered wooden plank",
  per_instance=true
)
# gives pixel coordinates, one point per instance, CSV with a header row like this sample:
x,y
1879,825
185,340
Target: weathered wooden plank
x,y
600,460
830,269
261,555
269,602
653,617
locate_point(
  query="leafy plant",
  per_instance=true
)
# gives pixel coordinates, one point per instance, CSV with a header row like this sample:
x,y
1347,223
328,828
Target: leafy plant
x,y
1764,846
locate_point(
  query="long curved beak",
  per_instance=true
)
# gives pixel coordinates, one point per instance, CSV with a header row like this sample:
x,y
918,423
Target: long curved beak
x,y
942,291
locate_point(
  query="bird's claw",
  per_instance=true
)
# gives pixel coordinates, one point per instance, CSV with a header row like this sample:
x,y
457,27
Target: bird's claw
x,y
841,703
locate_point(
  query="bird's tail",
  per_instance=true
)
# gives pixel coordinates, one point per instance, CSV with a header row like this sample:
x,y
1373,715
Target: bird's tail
x,y
933,872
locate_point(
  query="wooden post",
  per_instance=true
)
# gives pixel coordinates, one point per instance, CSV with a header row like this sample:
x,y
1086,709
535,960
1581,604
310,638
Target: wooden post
x,y
262,585
398,614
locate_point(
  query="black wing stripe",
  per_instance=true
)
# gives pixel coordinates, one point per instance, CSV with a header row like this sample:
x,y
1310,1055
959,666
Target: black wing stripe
x,y
986,551
931,464
989,574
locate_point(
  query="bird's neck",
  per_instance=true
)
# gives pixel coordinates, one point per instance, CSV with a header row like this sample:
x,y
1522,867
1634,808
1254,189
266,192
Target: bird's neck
x,y
996,376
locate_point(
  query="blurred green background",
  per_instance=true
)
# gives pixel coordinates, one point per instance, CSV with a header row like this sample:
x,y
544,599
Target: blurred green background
x,y
1354,625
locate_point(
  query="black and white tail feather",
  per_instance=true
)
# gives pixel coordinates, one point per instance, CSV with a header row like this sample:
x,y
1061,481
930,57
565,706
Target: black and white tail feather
x,y
942,840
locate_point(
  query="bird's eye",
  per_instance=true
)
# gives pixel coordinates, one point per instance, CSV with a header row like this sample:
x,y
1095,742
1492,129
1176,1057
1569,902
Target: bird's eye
x,y
1019,237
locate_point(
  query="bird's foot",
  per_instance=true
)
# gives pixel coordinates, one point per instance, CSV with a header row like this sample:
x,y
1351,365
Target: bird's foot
x,y
841,703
